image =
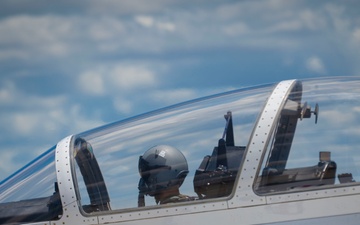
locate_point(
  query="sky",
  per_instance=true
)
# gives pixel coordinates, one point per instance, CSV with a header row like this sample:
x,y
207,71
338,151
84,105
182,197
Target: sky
x,y
69,66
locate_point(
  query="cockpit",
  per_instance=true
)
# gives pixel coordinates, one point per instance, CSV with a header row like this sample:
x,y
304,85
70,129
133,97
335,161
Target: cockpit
x,y
289,137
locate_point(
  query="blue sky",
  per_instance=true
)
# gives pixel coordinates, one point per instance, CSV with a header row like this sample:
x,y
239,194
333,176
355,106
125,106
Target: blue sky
x,y
71,66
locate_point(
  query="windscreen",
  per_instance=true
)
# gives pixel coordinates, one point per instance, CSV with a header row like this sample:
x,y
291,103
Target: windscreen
x,y
34,180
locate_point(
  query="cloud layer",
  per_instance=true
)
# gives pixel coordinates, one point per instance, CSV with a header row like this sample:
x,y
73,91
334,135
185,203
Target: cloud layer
x,y
75,65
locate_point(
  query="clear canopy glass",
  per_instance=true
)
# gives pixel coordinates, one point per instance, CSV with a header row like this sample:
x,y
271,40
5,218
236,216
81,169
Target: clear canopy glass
x,y
318,152
39,174
193,127
314,143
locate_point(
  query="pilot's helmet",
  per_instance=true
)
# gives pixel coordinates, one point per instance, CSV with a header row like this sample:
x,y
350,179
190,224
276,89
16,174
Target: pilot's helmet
x,y
162,167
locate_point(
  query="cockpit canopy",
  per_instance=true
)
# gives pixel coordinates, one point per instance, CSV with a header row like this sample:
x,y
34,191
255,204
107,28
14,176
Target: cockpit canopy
x,y
314,142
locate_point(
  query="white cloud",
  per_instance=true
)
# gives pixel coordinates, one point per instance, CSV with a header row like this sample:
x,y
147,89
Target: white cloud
x,y
7,93
337,14
42,34
36,126
124,7
25,124
356,35
286,26
146,21
106,28
315,64
28,115
38,115
312,20
238,28
122,77
77,121
173,96
151,22
166,26
123,105
132,77
8,165
91,82
199,27
294,21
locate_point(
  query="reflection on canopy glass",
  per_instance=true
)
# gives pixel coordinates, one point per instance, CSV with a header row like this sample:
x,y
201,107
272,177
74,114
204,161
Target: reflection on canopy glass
x,y
194,128
315,152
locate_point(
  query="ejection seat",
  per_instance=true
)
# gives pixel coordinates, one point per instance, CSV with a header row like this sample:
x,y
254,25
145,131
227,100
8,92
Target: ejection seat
x,y
324,173
216,174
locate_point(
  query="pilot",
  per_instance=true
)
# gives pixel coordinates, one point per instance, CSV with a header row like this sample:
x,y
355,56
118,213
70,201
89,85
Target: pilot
x,y
163,169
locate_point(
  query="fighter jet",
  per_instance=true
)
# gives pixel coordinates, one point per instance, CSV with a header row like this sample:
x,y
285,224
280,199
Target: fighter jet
x,y
283,153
